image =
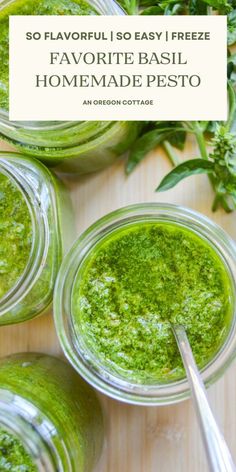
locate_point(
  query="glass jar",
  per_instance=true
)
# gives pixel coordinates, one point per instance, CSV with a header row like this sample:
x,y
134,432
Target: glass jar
x,y
71,147
53,413
90,366
52,232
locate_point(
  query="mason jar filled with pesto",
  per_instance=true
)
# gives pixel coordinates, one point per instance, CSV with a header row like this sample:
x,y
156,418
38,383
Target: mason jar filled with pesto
x,y
36,226
71,147
50,419
126,280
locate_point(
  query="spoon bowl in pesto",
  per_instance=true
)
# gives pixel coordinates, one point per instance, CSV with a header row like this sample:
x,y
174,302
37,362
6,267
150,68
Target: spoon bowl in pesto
x,y
126,280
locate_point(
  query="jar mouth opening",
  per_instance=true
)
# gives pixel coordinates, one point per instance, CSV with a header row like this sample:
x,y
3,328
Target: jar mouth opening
x,y
94,370
39,245
8,427
99,363
18,418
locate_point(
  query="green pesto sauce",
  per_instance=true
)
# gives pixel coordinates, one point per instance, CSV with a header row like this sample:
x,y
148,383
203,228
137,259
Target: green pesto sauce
x,y
15,234
61,396
138,280
29,7
13,456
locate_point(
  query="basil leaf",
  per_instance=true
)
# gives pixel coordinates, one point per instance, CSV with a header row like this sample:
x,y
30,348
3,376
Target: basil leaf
x,y
232,58
197,7
203,125
212,126
222,6
178,139
146,143
232,28
230,161
131,6
231,68
175,9
148,3
187,168
231,122
155,10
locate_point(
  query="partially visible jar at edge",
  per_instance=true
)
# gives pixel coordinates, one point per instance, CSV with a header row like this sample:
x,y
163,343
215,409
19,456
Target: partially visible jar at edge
x,y
50,419
47,208
70,147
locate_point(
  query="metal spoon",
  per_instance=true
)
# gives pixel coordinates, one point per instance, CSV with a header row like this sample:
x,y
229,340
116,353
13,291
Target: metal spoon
x,y
218,455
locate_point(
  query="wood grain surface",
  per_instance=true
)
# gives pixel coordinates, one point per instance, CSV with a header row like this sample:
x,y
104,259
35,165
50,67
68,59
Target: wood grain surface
x,y
141,439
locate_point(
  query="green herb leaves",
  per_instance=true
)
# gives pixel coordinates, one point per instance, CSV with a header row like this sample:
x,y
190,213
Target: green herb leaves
x,y
221,166
224,158
232,28
177,7
144,144
155,133
183,170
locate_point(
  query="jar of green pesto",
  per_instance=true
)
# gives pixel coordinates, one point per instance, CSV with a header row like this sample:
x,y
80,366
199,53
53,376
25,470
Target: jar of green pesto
x,y
71,147
36,226
50,419
126,279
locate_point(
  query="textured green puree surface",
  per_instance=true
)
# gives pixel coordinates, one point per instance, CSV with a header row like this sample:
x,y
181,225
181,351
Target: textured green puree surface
x,y
63,398
15,234
135,283
13,456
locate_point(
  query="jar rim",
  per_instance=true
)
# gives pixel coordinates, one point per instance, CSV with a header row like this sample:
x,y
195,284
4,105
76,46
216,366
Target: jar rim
x,y
160,394
32,427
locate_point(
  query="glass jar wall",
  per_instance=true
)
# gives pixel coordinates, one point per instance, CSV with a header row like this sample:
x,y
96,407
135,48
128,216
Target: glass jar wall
x,y
36,228
85,338
50,419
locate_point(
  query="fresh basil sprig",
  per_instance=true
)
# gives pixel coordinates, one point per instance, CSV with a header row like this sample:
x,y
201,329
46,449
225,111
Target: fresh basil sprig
x,y
177,7
183,170
232,27
154,134
220,164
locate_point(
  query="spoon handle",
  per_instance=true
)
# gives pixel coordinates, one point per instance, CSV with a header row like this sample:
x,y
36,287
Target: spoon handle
x,y
218,455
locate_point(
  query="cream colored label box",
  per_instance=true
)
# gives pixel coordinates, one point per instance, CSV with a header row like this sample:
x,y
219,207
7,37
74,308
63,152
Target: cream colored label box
x,y
118,68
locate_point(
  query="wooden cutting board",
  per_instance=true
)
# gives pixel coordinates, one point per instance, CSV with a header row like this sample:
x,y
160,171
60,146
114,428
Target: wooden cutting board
x,y
141,439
